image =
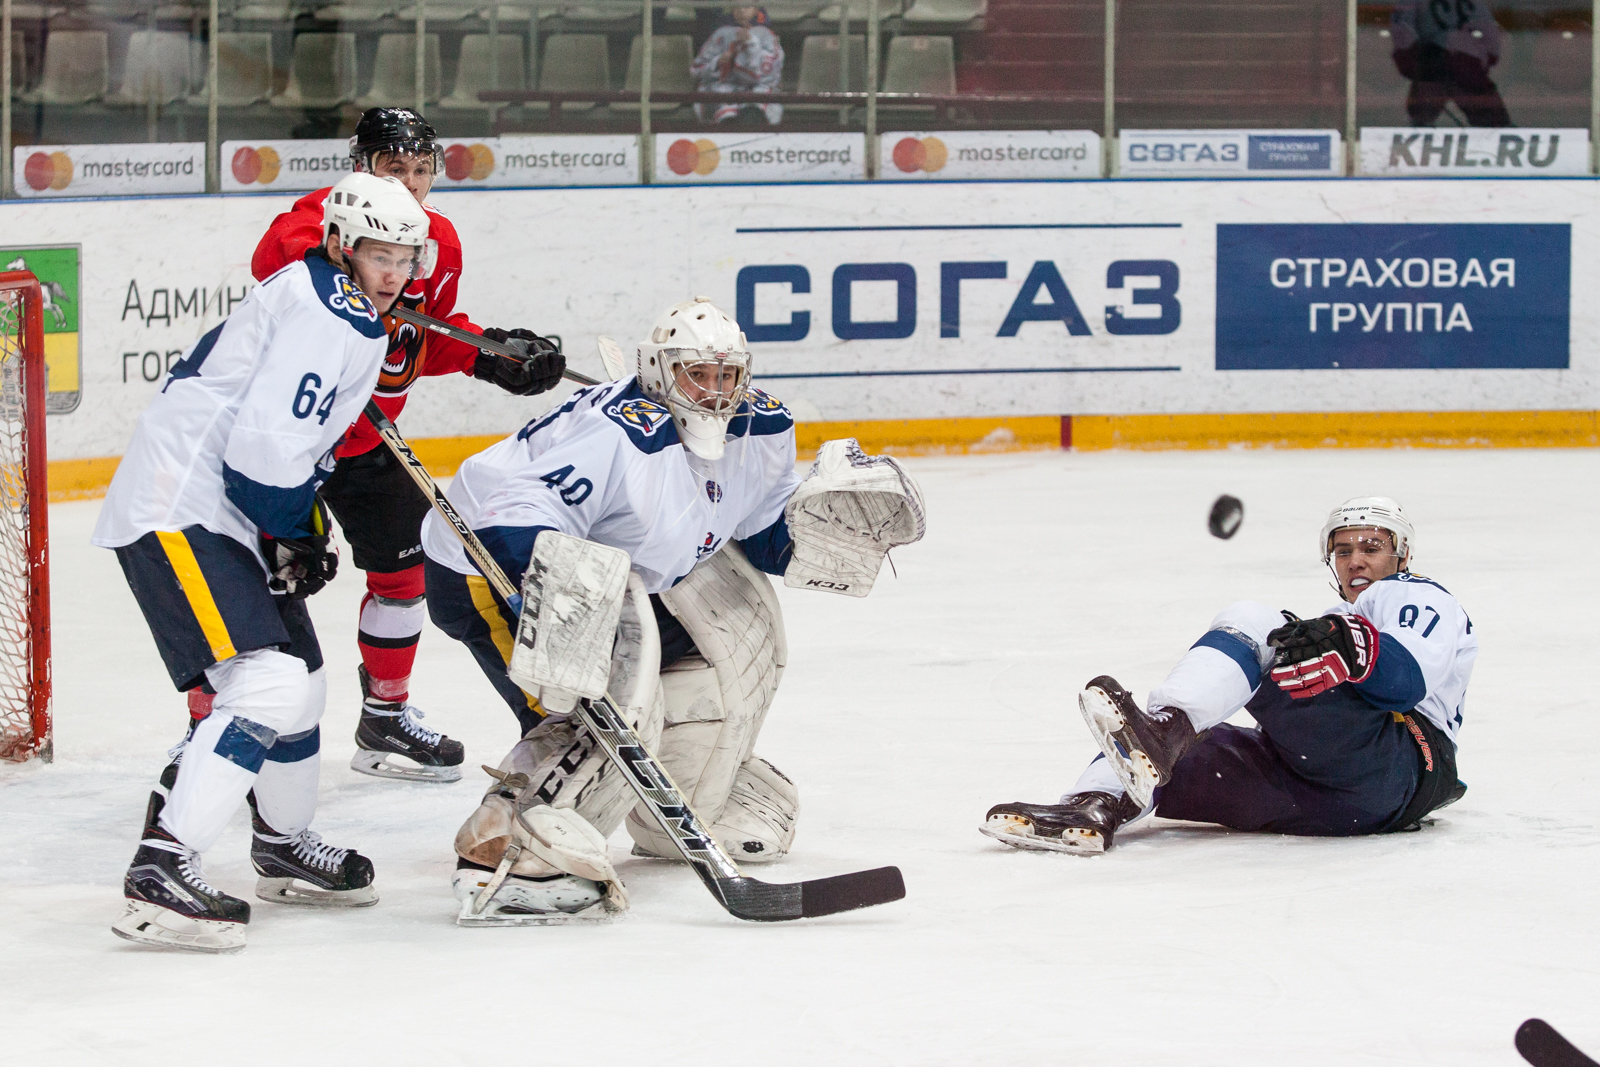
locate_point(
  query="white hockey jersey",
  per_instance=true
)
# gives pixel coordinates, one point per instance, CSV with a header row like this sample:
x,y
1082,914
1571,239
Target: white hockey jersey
x,y
608,466
1422,618
243,430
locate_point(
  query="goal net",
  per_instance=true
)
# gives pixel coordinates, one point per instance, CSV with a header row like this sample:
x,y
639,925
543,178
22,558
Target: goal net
x,y
24,575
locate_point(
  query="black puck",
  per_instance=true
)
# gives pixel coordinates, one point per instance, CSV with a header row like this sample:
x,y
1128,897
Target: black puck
x,y
1227,515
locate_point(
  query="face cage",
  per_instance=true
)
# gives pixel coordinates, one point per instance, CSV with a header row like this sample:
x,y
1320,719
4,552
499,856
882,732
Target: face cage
x,y
677,363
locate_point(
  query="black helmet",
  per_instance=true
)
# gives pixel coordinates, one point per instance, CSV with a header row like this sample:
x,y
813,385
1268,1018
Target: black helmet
x,y
393,129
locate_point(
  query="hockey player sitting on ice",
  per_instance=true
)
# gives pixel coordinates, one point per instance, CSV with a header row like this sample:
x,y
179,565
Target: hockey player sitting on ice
x,y
1358,712
214,516
644,512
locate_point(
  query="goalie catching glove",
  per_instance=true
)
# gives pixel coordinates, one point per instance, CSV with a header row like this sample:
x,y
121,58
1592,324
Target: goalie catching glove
x,y
851,509
1314,655
537,367
300,566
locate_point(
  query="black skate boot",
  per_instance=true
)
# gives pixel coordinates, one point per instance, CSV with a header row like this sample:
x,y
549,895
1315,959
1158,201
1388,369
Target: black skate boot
x,y
1083,823
389,729
300,869
1142,746
170,905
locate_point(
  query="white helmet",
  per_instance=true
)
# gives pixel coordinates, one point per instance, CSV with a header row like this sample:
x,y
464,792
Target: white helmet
x,y
367,206
684,364
1380,512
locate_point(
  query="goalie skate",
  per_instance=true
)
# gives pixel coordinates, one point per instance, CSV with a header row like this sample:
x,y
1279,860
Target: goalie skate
x,y
514,901
1083,823
170,904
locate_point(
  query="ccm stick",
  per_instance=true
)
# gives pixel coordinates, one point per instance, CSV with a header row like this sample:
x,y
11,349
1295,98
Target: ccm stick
x,y
743,897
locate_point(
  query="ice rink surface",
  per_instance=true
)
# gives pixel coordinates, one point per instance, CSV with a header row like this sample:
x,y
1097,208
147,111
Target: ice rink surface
x,y
902,718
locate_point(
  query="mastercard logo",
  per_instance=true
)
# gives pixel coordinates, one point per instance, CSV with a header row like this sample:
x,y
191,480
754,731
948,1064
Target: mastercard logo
x,y
693,157
48,170
927,154
256,165
468,161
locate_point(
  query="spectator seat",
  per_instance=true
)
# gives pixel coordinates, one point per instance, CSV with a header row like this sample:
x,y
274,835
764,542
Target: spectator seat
x,y
394,71
322,71
669,69
573,62
472,73
76,68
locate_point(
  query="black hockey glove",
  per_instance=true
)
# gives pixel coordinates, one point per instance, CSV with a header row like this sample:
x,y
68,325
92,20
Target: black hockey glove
x,y
538,368
301,566
1314,655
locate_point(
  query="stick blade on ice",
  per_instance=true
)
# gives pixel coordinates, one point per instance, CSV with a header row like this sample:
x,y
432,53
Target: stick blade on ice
x,y
1541,1046
758,901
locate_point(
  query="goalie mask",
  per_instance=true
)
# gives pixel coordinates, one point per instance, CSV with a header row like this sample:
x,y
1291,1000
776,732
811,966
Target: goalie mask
x,y
696,363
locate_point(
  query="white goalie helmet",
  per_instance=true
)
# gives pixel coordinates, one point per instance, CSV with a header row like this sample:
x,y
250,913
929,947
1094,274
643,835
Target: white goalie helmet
x,y
366,206
1381,512
695,361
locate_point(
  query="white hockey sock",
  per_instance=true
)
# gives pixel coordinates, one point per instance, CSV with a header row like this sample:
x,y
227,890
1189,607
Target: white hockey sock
x,y
1217,676
1098,777
218,768
391,619
286,788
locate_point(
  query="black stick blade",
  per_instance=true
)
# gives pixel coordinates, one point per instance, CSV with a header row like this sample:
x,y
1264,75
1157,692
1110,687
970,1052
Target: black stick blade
x,y
770,902
1541,1046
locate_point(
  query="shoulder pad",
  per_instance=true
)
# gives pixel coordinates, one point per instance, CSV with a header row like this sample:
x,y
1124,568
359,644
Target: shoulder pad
x,y
647,423
342,297
761,415
1414,579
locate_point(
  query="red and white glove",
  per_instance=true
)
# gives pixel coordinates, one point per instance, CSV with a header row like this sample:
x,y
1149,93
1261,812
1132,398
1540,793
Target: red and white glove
x,y
1314,655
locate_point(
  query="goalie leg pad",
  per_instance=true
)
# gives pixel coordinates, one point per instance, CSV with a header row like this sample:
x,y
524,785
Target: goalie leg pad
x,y
850,510
571,601
757,823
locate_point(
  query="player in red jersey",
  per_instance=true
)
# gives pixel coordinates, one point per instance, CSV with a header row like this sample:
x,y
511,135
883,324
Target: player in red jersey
x,y
375,502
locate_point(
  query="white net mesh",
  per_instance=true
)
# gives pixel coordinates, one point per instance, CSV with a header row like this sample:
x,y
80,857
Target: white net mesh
x,y
17,739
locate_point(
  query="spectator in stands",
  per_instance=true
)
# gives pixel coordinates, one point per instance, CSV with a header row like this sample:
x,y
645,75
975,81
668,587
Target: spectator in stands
x,y
1445,48
742,56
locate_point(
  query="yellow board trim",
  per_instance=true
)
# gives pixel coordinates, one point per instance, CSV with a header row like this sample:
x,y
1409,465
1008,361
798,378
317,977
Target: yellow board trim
x,y
921,437
201,602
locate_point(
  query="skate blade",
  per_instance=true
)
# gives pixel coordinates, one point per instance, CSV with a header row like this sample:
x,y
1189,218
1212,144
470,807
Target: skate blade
x,y
492,916
378,765
292,891
1018,833
150,924
1105,722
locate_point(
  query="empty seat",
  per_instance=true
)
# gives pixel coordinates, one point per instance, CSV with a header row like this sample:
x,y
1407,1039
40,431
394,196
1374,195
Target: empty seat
x,y
264,11
819,68
356,12
679,13
588,13
394,71
473,74
519,12
19,64
322,71
1561,58
244,70
440,11
76,68
669,69
920,65
785,12
946,12
857,10
574,62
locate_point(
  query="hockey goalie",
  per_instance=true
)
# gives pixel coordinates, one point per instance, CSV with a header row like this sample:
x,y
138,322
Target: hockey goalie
x,y
641,519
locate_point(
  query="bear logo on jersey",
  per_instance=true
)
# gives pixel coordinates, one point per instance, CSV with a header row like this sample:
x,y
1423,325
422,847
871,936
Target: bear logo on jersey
x,y
348,298
766,404
646,416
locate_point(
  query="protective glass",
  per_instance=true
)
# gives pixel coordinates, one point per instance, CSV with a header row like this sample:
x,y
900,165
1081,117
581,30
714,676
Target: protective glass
x,y
1372,544
406,260
709,382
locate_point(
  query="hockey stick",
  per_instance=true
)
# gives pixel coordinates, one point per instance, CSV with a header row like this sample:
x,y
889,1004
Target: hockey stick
x,y
743,897
1541,1046
477,340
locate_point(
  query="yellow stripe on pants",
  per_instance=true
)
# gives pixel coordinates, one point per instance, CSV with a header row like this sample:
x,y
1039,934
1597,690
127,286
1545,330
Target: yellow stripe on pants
x,y
483,599
181,554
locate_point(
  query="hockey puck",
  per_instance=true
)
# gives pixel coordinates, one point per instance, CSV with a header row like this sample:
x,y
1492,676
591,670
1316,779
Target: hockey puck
x,y
1227,515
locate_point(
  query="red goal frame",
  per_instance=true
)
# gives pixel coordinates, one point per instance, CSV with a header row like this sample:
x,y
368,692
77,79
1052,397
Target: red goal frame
x,y
36,472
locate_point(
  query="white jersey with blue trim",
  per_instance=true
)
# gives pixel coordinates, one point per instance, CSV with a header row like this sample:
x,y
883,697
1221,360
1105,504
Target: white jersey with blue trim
x,y
608,466
1429,623
243,430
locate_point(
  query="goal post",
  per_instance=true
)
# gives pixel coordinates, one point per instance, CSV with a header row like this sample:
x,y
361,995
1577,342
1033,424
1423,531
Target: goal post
x,y
25,729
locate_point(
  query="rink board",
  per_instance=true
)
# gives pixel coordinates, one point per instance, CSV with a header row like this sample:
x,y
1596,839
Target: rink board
x,y
939,302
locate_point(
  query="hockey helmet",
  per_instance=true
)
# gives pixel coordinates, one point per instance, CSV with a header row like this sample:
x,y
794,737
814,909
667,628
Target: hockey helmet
x,y
696,362
1380,512
394,129
365,206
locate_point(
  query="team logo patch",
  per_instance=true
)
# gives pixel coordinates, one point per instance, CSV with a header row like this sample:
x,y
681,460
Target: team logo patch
x,y
714,491
707,547
765,404
646,416
346,297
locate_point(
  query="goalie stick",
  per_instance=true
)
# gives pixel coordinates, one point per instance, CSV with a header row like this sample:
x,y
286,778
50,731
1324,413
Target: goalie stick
x,y
1541,1046
743,897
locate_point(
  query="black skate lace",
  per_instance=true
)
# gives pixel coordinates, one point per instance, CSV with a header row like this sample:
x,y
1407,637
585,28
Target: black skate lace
x,y
309,848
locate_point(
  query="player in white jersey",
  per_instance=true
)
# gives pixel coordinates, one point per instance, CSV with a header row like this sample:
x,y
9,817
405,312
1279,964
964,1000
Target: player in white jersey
x,y
689,470
215,519
1358,713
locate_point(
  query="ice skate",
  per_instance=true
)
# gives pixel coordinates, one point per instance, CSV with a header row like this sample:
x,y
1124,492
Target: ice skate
x,y
170,905
300,869
391,743
516,901
1141,746
1082,823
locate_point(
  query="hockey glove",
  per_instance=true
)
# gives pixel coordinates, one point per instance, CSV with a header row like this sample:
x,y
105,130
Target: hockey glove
x,y
301,566
538,368
1314,655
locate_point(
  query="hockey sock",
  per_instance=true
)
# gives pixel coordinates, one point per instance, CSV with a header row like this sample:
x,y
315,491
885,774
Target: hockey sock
x,y
1098,777
392,614
1220,671
286,787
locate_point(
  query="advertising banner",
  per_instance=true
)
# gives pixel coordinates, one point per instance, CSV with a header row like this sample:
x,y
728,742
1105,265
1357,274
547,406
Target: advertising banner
x,y
751,156
1409,152
108,169
966,155
60,274
481,162
1230,153
1356,296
